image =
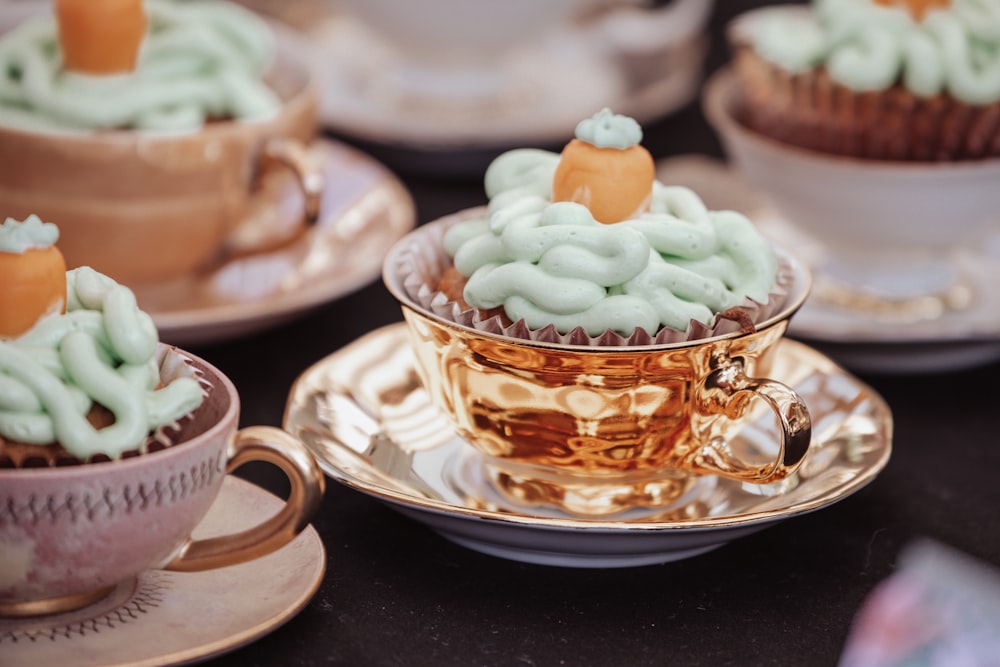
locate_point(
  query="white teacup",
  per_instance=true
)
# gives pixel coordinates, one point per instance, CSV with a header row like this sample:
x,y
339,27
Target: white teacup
x,y
884,226
433,29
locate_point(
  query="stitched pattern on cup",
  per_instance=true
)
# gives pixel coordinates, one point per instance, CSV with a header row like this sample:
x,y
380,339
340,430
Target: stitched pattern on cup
x,y
150,593
108,502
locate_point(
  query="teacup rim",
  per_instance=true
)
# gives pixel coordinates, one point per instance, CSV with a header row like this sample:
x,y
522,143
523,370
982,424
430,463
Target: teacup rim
x,y
718,101
801,287
229,419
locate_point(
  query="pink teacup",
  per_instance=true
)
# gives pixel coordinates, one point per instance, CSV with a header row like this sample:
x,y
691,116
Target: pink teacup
x,y
69,535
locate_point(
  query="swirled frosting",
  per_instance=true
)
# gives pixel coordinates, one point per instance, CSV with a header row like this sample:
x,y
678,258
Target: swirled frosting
x,y
552,263
199,60
609,130
19,237
103,350
867,46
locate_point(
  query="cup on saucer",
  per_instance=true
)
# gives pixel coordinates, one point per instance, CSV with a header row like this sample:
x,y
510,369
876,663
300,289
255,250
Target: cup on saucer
x,y
145,206
598,430
455,52
891,233
70,534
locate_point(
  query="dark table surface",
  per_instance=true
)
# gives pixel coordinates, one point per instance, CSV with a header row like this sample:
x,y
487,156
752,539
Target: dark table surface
x,y
396,593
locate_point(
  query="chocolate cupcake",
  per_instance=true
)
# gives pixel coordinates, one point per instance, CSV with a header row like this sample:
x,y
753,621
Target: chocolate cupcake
x,y
914,80
608,329
83,378
587,248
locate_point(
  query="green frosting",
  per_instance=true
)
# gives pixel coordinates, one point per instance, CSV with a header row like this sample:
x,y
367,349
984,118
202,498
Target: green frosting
x,y
103,350
199,60
18,237
607,130
552,263
869,47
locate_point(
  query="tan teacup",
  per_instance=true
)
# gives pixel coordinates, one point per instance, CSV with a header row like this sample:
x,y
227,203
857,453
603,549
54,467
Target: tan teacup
x,y
143,206
69,535
600,430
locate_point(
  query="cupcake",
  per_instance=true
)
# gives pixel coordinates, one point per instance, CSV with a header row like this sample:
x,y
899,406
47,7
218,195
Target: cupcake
x,y
596,335
911,80
82,374
113,447
127,64
587,245
151,131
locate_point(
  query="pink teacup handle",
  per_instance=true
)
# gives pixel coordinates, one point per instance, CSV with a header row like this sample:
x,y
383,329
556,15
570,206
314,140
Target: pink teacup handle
x,y
726,391
272,445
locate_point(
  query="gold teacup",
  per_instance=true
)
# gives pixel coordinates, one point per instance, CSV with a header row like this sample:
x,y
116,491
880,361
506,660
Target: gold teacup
x,y
601,430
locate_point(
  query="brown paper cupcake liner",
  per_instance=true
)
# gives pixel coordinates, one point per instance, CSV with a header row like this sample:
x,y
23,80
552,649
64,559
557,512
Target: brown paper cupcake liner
x,y
422,261
812,111
173,364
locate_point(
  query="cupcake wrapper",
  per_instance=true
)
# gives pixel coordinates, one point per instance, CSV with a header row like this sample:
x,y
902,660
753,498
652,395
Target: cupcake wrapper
x,y
421,261
813,111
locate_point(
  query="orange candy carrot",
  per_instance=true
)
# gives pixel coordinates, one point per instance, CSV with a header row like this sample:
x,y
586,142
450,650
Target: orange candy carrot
x,y
34,284
100,36
918,8
613,183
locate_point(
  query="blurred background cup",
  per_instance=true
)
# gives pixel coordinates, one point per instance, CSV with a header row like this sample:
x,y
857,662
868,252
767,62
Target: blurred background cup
x,y
451,47
144,206
887,228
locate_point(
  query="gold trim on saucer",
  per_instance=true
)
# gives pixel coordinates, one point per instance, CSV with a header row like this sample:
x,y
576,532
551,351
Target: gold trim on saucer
x,y
55,605
127,627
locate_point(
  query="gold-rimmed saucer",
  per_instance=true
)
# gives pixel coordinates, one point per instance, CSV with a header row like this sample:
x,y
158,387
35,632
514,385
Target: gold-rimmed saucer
x,y
169,618
364,210
365,415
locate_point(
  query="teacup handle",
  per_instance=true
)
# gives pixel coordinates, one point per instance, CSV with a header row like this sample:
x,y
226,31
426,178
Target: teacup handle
x,y
727,390
272,445
294,155
258,235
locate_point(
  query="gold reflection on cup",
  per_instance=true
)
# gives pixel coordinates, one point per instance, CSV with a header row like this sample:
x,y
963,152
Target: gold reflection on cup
x,y
600,430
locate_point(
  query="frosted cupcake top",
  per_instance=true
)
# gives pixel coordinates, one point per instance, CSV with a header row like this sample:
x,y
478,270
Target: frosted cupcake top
x,y
199,60
102,350
868,45
609,130
552,263
18,237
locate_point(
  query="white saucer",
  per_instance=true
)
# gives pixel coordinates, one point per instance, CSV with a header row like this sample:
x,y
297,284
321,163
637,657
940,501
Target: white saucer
x,y
365,209
364,414
956,338
168,618
547,87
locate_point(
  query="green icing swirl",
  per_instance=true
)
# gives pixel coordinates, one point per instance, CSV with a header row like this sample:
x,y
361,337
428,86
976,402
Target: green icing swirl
x,y
608,130
101,351
870,47
18,237
199,60
552,263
